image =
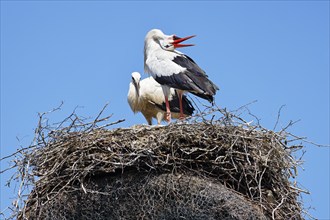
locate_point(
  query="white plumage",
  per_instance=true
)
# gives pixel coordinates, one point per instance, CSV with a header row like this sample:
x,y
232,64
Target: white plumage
x,y
157,62
146,96
173,69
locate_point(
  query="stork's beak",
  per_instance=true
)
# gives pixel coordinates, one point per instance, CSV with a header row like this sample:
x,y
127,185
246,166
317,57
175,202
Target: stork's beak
x,y
137,87
177,40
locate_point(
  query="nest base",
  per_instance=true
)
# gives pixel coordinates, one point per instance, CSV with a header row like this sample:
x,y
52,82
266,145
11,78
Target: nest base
x,y
134,195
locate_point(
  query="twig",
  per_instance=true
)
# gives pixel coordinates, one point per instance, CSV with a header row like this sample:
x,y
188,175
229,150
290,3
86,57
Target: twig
x,y
278,116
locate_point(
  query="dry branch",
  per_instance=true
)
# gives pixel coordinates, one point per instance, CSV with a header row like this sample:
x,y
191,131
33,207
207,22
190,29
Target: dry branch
x,y
77,162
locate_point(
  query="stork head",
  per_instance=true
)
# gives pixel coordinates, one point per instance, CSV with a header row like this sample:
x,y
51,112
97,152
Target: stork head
x,y
166,42
136,81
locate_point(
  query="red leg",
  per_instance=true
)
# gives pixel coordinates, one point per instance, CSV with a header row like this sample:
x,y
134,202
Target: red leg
x,y
180,103
168,111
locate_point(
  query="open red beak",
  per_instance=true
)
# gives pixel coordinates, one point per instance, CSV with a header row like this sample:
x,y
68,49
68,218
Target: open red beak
x,y
178,40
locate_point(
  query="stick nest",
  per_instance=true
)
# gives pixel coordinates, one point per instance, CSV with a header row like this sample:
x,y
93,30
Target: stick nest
x,y
202,169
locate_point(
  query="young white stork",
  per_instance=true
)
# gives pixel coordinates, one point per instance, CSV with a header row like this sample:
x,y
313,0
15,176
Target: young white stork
x,y
173,69
146,96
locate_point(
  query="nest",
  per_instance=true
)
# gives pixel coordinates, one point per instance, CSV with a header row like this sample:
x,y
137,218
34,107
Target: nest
x,y
201,169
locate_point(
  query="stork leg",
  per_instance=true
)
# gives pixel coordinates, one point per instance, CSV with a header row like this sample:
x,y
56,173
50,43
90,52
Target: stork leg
x,y
181,107
168,111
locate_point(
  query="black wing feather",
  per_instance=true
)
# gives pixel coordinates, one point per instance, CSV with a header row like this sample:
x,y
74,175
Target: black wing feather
x,y
194,79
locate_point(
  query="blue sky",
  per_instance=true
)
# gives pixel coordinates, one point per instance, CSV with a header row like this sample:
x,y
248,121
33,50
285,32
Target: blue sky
x,y
83,52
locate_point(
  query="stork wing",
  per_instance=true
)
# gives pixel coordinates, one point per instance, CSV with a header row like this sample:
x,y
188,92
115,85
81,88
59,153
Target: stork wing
x,y
188,63
196,78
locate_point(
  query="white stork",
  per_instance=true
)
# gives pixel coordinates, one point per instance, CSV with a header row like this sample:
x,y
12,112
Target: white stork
x,y
173,69
146,96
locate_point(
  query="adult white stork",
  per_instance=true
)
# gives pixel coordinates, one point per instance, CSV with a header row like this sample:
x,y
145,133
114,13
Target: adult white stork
x,y
173,69
146,96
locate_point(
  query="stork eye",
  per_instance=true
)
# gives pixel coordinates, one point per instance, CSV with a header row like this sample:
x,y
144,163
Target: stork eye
x,y
175,37
166,45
